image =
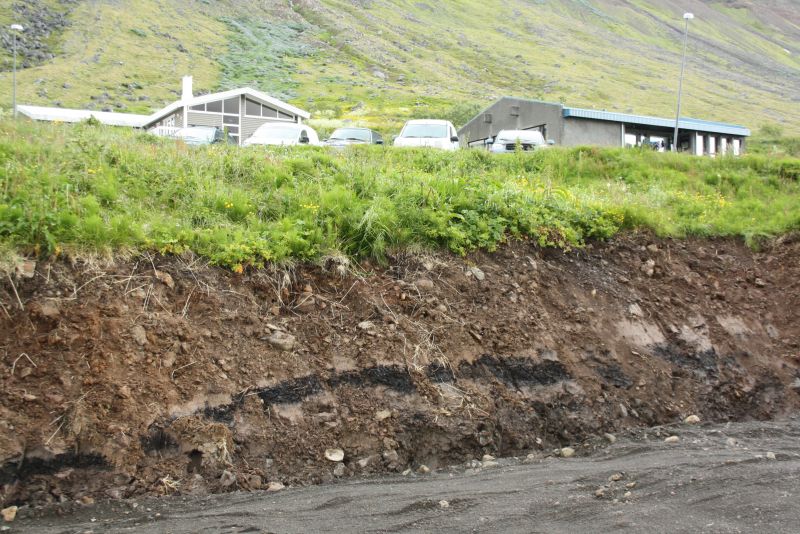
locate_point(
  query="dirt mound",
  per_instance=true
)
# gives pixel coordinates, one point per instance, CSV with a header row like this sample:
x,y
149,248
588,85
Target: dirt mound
x,y
166,376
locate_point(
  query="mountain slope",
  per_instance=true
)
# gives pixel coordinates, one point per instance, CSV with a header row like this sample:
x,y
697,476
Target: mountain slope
x,y
380,61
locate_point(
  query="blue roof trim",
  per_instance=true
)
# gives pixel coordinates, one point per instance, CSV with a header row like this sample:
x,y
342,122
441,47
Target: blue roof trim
x,y
683,124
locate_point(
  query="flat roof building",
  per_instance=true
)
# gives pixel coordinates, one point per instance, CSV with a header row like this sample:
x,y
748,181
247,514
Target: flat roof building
x,y
569,126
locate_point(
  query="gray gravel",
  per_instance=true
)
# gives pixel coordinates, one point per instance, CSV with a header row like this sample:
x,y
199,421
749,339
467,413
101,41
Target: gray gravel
x,y
715,479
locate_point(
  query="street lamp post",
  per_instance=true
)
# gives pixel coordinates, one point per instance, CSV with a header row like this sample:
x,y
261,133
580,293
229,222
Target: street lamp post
x,y
15,28
687,17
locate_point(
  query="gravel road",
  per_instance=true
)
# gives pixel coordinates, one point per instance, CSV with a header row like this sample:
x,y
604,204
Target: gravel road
x,y
741,477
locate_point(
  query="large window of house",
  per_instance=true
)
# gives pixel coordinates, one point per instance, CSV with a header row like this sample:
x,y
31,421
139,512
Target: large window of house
x,y
256,109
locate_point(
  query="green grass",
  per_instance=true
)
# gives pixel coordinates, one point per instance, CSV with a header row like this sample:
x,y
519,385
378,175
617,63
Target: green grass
x,y
84,189
744,60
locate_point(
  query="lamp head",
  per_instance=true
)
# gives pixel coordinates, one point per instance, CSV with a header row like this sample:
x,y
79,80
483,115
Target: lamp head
x,y
688,16
17,27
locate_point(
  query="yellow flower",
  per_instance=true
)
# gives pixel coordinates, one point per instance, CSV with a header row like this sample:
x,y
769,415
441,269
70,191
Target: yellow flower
x,y
238,268
91,171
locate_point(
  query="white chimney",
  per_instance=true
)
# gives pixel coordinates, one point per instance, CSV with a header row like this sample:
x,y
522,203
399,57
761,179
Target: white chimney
x,y
187,88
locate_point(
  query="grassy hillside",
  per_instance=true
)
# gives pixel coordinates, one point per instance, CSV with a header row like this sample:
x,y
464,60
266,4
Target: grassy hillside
x,y
90,189
381,61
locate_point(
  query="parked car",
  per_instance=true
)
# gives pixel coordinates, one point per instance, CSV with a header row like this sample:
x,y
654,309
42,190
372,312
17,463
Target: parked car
x,y
506,140
203,135
342,137
286,134
428,132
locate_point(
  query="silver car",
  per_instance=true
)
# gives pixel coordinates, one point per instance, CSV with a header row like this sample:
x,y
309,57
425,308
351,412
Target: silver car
x,y
507,140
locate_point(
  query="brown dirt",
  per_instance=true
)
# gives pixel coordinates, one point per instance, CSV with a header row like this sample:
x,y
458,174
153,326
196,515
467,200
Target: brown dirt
x,y
159,376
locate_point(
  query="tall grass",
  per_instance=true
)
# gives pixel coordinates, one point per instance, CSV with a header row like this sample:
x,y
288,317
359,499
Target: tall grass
x,y
86,188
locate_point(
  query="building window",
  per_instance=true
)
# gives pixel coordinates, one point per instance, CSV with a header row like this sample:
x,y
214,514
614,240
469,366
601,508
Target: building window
x,y
199,107
515,111
214,107
487,118
232,105
282,115
230,119
252,108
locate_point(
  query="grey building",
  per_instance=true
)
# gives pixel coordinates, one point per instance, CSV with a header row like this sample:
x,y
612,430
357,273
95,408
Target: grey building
x,y
241,111
568,126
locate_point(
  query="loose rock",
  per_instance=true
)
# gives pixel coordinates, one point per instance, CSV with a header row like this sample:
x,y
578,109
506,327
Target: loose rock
x,y
9,514
382,415
444,504
672,439
692,420
771,456
567,452
334,455
611,438
423,469
275,486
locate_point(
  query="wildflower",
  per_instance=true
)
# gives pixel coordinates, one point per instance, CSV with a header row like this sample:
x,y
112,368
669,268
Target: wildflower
x,y
91,171
238,268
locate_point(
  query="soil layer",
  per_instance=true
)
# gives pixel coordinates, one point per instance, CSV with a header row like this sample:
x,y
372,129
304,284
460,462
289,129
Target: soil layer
x,y
164,376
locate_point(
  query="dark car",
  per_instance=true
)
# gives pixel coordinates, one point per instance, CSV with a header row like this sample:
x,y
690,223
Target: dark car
x,y
342,137
203,135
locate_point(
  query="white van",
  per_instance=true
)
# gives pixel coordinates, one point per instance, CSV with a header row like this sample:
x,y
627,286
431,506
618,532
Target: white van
x,y
281,133
428,132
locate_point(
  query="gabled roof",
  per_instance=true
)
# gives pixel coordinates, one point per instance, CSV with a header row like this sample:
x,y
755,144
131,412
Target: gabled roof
x,y
40,113
683,124
248,91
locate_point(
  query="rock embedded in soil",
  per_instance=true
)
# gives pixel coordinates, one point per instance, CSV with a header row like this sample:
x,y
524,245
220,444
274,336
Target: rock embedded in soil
x,y
692,420
382,415
334,455
338,471
567,452
423,469
611,438
477,273
139,335
672,439
227,479
424,283
282,341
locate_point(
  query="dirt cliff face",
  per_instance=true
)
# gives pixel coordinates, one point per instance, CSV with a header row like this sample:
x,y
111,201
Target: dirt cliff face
x,y
166,376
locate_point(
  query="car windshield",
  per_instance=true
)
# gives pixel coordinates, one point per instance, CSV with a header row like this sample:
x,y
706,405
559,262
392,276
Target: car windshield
x,y
196,134
424,130
352,134
511,136
277,132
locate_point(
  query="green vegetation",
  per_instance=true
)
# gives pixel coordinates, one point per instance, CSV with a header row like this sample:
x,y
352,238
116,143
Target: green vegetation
x,y
380,63
772,141
257,56
90,189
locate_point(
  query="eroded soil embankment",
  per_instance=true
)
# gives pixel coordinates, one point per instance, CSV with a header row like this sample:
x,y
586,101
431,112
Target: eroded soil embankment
x,y
169,377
